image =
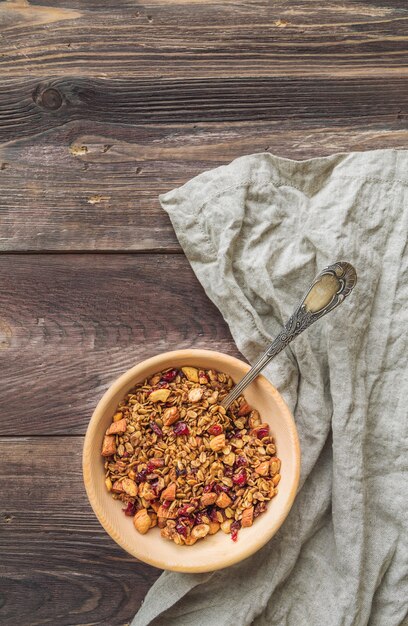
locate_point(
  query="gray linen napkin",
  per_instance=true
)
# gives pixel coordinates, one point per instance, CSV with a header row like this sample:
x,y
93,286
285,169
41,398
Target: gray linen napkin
x,y
256,232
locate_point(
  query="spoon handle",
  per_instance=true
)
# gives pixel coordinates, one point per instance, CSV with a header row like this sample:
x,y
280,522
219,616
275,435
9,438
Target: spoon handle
x,y
328,290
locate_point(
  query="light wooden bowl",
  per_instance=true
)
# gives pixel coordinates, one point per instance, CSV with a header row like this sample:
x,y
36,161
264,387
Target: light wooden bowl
x,y
219,550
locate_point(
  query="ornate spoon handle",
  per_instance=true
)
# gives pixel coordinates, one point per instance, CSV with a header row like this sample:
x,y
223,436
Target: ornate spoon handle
x,y
328,290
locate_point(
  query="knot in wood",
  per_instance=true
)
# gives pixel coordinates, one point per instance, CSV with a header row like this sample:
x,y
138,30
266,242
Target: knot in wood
x,y
50,99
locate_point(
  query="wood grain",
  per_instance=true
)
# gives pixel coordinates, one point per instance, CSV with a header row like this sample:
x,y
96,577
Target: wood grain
x,y
71,324
58,566
193,38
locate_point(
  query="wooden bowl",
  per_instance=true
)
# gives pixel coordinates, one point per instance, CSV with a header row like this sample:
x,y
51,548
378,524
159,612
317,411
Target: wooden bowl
x,y
216,551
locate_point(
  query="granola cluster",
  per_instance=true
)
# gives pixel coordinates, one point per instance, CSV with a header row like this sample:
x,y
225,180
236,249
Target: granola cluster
x,y
178,460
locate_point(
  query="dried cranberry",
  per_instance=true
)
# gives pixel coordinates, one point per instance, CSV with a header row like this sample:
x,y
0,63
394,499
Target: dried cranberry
x,y
130,509
215,429
181,529
208,488
235,526
241,461
181,428
166,504
262,432
228,472
240,478
170,375
259,508
141,476
183,510
219,487
125,455
156,429
162,384
198,517
180,472
213,515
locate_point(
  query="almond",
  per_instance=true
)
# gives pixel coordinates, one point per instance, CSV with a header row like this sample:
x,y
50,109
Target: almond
x,y
117,486
195,394
226,526
142,521
263,468
129,487
191,373
217,443
159,395
223,500
247,517
254,419
117,428
170,416
109,445
208,498
190,541
214,528
244,409
169,493
166,513
199,531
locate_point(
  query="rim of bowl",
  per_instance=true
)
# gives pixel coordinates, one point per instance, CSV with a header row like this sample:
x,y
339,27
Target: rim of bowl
x,y
93,430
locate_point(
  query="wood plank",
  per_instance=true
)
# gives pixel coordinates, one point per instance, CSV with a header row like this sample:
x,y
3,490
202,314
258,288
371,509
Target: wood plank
x,y
30,106
94,186
70,324
197,38
58,566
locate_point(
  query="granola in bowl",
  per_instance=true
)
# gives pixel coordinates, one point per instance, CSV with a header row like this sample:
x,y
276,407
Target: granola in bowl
x,y
178,460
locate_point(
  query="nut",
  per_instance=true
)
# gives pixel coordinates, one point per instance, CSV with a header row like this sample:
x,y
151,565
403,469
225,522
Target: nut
x,y
276,479
208,498
169,493
190,541
166,513
129,487
217,443
142,521
146,491
199,531
118,416
275,465
229,459
159,395
247,517
263,468
244,409
254,419
170,415
108,445
191,373
117,486
117,428
195,394
226,526
223,500
153,520
214,528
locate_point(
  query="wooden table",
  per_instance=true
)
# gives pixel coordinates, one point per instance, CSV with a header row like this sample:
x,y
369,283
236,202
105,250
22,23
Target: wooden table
x,y
105,104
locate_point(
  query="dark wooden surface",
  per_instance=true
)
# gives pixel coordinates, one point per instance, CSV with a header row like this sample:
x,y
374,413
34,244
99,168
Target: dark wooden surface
x,y
104,105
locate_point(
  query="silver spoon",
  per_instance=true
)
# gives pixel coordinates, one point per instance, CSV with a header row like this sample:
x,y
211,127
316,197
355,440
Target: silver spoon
x,y
328,290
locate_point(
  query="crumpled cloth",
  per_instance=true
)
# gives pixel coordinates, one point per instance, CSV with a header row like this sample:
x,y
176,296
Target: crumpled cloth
x,y
256,232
